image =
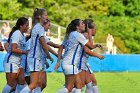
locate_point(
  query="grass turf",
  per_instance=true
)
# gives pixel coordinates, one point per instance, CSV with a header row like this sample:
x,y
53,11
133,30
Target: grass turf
x,y
107,82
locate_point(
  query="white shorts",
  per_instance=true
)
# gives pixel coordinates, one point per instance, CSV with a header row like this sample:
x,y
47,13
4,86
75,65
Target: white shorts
x,y
34,64
24,65
44,64
82,66
70,69
11,67
89,69
26,74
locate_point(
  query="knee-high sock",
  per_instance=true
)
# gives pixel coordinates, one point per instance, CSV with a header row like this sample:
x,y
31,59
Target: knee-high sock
x,y
95,89
19,87
82,89
77,90
63,90
73,90
6,89
25,90
89,88
37,90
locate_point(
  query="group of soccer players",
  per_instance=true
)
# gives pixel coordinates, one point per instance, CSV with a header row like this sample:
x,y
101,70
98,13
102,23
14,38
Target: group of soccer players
x,y
26,60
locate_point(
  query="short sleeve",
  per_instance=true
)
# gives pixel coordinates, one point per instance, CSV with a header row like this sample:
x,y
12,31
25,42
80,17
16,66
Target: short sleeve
x,y
80,38
41,32
47,39
16,37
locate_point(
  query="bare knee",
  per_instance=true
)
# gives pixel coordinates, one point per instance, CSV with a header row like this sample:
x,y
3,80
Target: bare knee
x,y
43,85
33,84
94,82
21,80
79,84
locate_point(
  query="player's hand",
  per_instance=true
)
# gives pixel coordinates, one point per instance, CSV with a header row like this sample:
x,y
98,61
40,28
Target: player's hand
x,y
99,46
89,31
57,66
47,65
1,48
101,57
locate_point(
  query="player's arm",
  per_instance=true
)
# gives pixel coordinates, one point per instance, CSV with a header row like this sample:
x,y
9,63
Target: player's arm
x,y
15,38
52,51
59,57
1,47
45,47
89,44
15,49
89,52
53,44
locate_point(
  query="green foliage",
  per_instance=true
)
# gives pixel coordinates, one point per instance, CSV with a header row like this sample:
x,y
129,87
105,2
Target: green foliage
x,y
121,18
9,9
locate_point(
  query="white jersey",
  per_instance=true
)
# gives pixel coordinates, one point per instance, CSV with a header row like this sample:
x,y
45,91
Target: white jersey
x,y
24,57
83,65
35,54
18,38
27,47
73,46
35,46
83,60
12,60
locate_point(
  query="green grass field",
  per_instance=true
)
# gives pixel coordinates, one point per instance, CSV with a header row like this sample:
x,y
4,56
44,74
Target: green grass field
x,y
107,82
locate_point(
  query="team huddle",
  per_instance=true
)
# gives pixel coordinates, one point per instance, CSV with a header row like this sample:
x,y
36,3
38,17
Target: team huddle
x,y
26,60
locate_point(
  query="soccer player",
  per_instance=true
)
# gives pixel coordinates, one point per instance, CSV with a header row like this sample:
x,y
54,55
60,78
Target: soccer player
x,y
72,44
37,45
86,73
14,52
45,64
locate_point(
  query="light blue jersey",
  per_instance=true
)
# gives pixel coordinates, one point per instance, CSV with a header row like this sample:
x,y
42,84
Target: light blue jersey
x,y
73,46
23,63
12,60
35,54
83,62
36,47
18,38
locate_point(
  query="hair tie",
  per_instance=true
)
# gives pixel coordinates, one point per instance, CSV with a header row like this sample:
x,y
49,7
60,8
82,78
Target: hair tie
x,y
36,9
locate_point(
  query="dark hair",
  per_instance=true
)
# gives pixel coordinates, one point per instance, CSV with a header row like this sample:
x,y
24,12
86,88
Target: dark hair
x,y
20,22
72,27
89,23
28,36
36,14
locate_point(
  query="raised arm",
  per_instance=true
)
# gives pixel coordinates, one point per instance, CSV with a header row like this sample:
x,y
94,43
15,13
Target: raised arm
x,y
53,44
89,52
89,44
